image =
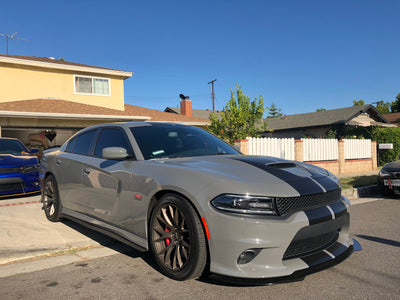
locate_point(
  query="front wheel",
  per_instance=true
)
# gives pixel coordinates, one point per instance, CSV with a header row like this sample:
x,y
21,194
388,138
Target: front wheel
x,y
51,199
177,239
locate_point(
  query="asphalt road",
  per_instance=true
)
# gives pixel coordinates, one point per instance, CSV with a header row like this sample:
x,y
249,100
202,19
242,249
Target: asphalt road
x,y
373,273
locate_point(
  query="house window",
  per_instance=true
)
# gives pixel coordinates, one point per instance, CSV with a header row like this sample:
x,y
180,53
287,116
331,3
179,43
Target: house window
x,y
92,85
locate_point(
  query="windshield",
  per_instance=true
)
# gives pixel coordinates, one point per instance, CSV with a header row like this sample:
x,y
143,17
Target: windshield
x,y
11,146
161,141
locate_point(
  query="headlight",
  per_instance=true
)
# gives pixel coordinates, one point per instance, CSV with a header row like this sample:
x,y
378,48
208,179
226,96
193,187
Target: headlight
x,y
30,169
245,204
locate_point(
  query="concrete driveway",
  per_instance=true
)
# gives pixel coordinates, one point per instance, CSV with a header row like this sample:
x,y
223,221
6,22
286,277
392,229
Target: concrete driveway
x,y
29,242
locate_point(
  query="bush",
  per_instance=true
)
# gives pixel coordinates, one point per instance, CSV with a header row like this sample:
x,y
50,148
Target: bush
x,y
387,135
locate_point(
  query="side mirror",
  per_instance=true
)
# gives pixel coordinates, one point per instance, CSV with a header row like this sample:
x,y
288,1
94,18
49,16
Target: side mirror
x,y
34,150
115,153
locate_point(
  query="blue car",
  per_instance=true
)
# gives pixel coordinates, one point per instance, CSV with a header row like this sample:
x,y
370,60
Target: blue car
x,y
19,173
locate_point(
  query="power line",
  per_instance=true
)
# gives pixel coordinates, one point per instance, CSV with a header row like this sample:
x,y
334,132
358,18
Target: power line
x,y
164,97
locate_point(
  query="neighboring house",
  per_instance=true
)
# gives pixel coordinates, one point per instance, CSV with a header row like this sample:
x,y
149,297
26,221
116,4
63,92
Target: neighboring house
x,y
27,77
393,118
44,101
316,124
198,113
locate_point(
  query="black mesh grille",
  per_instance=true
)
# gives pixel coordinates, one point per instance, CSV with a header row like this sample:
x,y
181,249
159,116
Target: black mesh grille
x,y
307,246
286,205
11,187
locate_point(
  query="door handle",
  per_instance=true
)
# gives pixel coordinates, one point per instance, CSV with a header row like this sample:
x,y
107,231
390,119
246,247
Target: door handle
x,y
87,171
58,162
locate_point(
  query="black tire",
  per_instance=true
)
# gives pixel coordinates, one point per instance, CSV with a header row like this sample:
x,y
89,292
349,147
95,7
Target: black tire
x,y
177,239
51,199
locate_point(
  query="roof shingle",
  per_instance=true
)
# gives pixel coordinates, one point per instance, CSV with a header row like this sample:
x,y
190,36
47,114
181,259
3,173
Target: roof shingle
x,y
323,118
68,107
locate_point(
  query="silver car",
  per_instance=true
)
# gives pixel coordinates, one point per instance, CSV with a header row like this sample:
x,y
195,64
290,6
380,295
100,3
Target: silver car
x,y
198,204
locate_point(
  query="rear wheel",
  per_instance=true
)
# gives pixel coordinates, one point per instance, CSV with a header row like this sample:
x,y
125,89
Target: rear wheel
x,y
177,239
51,199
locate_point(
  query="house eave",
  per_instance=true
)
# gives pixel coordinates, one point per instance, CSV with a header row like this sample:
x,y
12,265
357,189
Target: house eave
x,y
43,115
49,65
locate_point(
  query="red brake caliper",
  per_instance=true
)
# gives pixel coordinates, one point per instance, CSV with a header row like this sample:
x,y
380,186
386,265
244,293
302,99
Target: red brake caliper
x,y
167,240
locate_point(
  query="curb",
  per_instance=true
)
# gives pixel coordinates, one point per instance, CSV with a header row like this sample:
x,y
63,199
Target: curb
x,y
361,192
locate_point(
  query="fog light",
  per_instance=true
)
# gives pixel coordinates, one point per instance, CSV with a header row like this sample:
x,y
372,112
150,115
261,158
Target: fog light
x,y
247,256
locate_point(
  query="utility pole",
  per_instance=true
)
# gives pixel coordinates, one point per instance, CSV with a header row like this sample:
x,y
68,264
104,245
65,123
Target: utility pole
x,y
213,95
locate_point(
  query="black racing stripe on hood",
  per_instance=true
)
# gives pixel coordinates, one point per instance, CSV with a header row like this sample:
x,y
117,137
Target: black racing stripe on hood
x,y
327,182
303,185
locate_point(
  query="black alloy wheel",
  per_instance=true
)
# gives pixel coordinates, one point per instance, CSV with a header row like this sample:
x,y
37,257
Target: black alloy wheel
x,y
51,199
177,239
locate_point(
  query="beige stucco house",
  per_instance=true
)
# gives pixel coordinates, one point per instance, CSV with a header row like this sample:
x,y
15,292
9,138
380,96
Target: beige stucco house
x,y
43,101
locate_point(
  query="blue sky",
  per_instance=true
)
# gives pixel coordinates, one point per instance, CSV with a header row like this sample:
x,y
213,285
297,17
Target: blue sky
x,y
301,55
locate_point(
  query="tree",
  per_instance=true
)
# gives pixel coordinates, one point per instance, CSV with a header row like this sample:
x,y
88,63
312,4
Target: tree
x,y
383,107
359,102
273,111
241,118
395,107
321,109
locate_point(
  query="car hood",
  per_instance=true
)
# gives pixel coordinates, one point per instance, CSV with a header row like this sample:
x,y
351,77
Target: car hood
x,y
270,173
392,166
17,159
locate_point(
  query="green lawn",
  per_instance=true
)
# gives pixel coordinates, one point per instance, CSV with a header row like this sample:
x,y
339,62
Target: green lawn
x,y
354,182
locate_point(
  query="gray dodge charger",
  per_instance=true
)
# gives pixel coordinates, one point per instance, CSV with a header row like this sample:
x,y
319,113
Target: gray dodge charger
x,y
198,204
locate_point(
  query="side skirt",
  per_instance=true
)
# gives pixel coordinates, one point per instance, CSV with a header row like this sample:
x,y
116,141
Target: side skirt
x,y
110,231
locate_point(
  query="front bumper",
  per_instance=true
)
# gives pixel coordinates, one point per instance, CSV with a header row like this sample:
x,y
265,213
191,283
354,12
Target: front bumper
x,y
284,246
19,184
390,183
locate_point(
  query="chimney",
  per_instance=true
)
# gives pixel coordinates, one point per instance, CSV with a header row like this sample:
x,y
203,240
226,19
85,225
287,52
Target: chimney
x,y
186,106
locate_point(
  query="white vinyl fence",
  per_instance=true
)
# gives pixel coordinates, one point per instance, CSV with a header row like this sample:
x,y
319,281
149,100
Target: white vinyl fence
x,y
320,149
283,148
313,149
356,149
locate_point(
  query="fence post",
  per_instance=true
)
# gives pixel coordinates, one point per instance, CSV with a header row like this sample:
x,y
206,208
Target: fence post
x,y
342,160
374,155
298,150
243,146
